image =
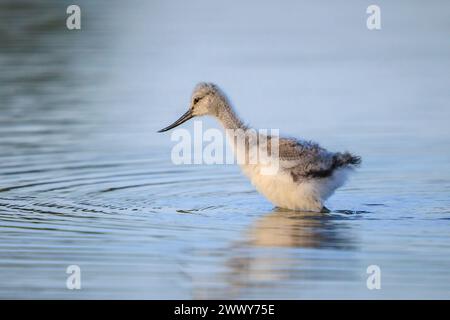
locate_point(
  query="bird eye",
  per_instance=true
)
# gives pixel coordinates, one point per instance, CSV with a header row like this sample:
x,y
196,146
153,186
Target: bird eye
x,y
196,100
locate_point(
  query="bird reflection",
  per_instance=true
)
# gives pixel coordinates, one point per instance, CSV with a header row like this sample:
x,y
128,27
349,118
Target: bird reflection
x,y
281,228
284,248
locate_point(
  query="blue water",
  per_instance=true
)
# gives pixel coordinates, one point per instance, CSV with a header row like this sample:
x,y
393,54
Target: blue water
x,y
86,180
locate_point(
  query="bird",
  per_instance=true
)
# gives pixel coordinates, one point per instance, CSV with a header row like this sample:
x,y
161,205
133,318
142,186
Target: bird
x,y
306,174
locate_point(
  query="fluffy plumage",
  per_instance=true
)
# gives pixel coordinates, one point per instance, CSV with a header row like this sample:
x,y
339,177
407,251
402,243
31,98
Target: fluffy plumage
x,y
307,174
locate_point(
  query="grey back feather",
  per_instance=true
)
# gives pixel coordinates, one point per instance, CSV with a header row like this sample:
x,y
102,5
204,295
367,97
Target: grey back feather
x,y
306,159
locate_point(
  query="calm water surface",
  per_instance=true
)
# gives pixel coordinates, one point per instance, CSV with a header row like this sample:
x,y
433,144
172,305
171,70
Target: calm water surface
x,y
85,180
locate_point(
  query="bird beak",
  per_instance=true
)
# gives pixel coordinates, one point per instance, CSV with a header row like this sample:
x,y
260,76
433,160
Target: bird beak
x,y
185,117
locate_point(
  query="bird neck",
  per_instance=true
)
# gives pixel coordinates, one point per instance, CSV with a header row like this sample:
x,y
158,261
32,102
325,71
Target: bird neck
x,y
228,117
238,134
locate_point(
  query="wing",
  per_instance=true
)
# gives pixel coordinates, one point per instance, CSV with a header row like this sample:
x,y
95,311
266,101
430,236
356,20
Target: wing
x,y
305,159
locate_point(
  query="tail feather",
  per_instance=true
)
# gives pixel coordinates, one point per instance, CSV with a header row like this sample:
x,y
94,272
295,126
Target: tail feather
x,y
347,159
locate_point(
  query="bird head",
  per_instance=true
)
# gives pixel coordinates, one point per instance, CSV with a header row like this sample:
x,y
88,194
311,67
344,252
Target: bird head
x,y
205,100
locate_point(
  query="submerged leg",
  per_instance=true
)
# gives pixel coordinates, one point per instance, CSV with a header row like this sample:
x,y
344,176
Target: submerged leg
x,y
325,210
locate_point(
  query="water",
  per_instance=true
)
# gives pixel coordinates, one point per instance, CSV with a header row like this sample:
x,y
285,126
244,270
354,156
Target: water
x,y
85,180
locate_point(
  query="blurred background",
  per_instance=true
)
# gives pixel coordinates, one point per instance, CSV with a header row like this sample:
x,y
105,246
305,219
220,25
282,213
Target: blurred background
x,y
85,179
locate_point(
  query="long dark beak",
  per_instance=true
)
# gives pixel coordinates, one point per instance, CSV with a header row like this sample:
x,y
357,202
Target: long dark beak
x,y
185,117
